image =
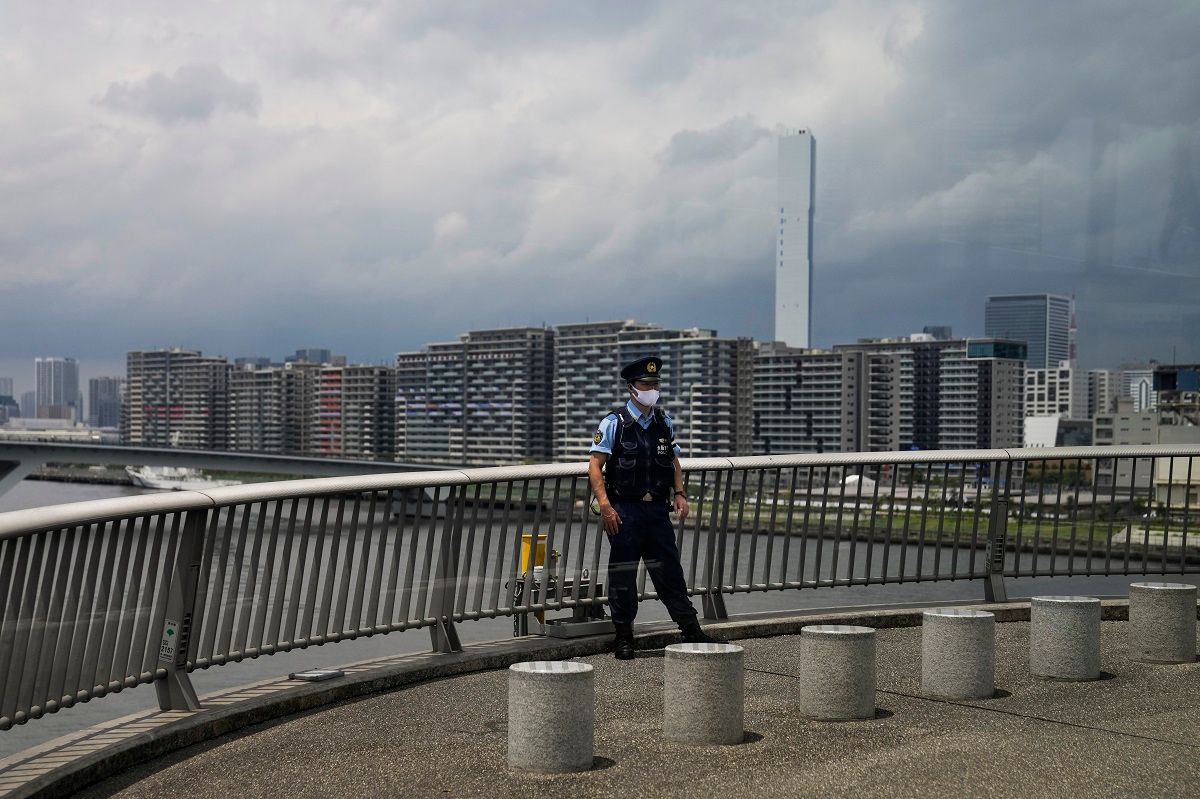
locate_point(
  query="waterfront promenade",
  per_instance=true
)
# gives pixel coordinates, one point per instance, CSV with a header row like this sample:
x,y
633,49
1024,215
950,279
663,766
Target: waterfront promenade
x,y
1135,732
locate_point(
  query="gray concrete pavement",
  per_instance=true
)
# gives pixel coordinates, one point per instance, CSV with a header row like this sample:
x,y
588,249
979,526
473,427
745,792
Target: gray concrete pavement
x,y
1133,733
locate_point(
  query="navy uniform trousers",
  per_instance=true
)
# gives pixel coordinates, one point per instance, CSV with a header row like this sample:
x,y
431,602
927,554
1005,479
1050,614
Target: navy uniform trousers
x,y
646,534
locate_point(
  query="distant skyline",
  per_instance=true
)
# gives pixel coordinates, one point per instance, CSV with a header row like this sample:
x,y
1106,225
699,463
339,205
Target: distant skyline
x,y
372,176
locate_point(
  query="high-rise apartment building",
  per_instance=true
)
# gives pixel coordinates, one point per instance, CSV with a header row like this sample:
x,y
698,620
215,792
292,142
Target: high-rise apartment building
x,y
1101,391
1060,392
104,401
28,402
485,399
255,418
176,397
819,401
6,387
955,394
794,247
777,426
57,388
368,412
707,387
430,402
1045,322
885,395
982,404
272,409
354,412
587,382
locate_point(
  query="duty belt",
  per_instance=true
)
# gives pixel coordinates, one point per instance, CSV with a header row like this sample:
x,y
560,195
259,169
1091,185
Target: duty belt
x,y
647,497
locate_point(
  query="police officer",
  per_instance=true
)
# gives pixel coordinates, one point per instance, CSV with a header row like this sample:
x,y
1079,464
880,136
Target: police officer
x,y
636,477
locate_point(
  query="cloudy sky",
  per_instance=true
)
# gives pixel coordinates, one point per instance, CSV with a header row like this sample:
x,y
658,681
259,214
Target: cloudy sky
x,y
249,178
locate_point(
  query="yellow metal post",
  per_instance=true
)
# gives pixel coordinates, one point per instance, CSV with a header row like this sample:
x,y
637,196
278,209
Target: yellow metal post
x,y
539,559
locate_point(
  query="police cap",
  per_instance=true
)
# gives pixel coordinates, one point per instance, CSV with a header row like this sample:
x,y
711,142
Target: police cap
x,y
642,369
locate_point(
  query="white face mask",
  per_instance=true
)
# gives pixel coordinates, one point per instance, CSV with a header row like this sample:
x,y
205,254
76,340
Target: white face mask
x,y
649,397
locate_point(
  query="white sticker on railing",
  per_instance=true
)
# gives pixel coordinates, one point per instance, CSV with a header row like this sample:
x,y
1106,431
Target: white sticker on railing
x,y
166,649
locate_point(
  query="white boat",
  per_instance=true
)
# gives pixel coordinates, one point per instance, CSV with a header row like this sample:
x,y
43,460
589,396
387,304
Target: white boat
x,y
174,478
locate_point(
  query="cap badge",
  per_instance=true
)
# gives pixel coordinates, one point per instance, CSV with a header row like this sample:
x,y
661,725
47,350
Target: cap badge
x,y
651,368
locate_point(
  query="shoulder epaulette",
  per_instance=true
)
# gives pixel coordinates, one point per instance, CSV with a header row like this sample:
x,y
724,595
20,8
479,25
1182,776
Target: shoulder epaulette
x,y
661,417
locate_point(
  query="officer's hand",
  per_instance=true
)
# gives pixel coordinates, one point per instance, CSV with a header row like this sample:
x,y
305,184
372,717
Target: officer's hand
x,y
610,518
681,507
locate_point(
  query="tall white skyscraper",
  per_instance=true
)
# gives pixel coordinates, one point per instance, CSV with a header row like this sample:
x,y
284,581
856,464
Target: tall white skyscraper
x,y
794,267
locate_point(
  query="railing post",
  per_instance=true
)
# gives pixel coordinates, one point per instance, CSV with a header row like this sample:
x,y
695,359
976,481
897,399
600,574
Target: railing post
x,y
175,691
443,636
994,589
714,607
712,601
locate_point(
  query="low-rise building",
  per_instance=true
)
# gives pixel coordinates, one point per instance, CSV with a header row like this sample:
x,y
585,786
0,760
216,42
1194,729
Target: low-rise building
x,y
1061,391
1124,427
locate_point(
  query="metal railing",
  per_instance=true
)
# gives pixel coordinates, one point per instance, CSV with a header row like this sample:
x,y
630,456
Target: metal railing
x,y
106,595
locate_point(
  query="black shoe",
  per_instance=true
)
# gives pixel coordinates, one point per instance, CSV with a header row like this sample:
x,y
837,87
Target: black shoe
x,y
692,634
623,642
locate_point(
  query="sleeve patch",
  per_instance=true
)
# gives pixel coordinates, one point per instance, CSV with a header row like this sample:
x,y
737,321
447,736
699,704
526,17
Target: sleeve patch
x,y
598,437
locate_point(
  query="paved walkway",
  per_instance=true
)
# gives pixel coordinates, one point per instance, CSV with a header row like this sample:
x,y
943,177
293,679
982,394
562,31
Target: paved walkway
x,y
1134,733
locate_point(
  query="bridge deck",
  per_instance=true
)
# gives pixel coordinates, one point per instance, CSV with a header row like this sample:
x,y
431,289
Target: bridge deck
x,y
1136,732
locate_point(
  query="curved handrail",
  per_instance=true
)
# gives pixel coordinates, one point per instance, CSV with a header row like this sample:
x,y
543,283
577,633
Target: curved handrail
x,y
17,523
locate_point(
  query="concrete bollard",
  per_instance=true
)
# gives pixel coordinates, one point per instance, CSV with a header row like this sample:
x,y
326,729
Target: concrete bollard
x,y
1064,637
551,716
837,671
703,694
958,653
1162,622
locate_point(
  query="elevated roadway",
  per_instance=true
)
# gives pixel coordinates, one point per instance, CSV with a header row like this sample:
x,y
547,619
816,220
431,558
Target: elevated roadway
x,y
18,459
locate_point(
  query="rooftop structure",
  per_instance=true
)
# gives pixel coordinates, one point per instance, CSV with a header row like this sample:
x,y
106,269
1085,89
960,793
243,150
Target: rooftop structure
x,y
1177,387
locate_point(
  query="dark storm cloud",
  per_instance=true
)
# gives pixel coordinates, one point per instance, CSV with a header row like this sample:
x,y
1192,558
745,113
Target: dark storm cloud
x,y
373,176
723,142
193,94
